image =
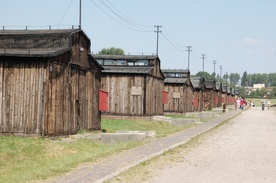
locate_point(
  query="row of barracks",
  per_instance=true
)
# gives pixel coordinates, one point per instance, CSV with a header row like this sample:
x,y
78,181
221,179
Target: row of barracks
x,y
51,84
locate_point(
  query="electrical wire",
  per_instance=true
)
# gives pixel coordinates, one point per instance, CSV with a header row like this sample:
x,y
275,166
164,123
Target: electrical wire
x,y
173,42
64,14
170,44
128,26
140,25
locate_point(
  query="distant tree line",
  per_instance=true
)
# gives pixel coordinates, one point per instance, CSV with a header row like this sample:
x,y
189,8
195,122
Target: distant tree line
x,y
111,51
250,79
227,79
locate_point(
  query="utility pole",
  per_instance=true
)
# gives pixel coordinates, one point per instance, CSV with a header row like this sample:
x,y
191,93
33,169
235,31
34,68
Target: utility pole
x,y
226,77
203,56
214,62
157,31
220,67
80,16
189,49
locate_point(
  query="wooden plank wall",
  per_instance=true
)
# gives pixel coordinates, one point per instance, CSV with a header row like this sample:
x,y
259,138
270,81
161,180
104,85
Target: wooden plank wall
x,y
82,100
199,95
21,96
207,100
188,99
154,91
33,99
174,104
122,102
120,99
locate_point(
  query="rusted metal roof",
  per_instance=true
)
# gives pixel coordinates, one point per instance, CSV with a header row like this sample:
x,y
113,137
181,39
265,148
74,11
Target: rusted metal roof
x,y
35,43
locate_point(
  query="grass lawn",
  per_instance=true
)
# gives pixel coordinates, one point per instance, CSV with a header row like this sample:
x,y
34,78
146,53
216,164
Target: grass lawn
x,y
29,159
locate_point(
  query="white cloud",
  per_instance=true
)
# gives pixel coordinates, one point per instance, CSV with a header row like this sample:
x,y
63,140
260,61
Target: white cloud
x,y
253,41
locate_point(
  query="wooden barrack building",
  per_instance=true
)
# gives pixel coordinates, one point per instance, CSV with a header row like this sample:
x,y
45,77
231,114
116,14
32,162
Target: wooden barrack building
x,y
49,82
134,84
198,84
180,91
209,94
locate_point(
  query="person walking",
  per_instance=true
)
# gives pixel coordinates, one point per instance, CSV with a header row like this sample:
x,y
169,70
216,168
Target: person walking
x,y
263,103
268,104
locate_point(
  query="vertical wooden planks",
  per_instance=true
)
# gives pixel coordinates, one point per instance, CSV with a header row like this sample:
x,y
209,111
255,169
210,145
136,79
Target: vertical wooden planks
x,y
89,102
1,94
59,98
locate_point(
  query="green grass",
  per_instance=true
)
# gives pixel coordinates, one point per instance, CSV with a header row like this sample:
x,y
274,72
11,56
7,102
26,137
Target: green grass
x,y
162,128
179,116
29,159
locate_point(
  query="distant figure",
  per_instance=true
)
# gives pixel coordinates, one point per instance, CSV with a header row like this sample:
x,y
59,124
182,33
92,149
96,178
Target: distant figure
x,y
242,103
252,104
268,103
263,103
238,102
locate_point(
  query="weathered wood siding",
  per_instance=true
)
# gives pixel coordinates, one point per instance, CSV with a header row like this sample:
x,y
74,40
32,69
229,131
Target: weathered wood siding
x,y
198,96
124,100
218,99
207,100
188,99
34,100
176,98
154,92
73,104
22,95
120,98
181,98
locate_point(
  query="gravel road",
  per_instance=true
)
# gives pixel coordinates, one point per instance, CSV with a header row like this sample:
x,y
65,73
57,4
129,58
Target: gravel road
x,y
241,151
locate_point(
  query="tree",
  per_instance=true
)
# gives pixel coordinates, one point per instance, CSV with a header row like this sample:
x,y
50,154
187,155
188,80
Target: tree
x,y
111,51
205,75
225,78
272,79
234,78
244,80
262,92
273,92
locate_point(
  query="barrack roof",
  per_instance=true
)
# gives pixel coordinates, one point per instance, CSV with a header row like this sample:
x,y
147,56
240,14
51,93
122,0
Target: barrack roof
x,y
36,43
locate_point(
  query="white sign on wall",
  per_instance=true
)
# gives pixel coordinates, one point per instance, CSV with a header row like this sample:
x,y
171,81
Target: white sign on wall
x,y
136,90
176,94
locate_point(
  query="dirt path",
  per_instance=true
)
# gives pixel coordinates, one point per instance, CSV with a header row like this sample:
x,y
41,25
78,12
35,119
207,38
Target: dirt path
x,y
243,150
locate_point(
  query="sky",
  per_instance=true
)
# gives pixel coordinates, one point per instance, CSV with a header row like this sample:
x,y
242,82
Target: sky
x,y
236,35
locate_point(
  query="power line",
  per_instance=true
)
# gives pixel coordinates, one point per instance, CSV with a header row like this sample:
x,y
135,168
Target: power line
x,y
65,13
172,41
135,29
168,42
189,49
80,16
146,26
157,32
220,67
214,62
203,56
